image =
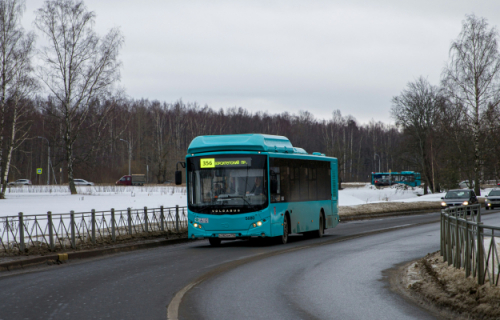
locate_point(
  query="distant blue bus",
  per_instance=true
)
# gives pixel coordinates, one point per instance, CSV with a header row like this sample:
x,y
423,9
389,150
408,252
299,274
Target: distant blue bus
x,y
255,185
409,178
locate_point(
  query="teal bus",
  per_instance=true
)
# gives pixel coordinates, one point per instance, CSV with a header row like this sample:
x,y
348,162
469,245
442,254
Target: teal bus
x,y
257,186
410,178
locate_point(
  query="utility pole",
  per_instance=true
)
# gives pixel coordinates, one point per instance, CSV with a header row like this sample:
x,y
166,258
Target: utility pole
x,y
375,159
48,159
129,155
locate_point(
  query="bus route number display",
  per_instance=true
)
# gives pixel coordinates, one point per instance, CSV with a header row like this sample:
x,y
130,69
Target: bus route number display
x,y
207,163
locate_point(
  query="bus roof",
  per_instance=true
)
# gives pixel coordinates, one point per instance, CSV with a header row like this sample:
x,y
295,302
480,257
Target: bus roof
x,y
243,142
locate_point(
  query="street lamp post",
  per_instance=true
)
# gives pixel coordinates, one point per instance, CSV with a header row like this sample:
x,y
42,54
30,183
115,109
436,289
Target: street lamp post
x,y
48,159
129,155
378,161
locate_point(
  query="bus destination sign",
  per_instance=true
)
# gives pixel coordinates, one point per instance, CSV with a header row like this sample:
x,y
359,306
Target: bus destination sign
x,y
207,163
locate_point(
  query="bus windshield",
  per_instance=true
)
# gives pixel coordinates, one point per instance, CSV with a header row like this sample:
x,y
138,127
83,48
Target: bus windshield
x,y
227,184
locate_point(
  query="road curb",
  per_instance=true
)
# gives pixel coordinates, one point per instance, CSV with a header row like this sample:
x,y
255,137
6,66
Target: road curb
x,y
84,254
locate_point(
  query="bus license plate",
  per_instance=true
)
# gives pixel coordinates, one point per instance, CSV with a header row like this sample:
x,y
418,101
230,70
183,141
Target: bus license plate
x,y
227,235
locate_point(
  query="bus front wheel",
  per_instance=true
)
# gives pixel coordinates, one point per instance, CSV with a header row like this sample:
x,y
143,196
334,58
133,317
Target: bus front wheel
x,y
283,239
214,242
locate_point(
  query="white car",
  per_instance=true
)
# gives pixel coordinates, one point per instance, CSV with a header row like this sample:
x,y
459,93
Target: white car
x,y
20,182
81,182
466,184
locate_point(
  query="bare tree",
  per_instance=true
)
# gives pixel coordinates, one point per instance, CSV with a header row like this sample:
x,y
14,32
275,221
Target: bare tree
x,y
16,83
416,111
78,66
471,78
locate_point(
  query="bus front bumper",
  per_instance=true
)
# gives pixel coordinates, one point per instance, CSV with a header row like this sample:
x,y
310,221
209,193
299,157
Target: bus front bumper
x,y
259,231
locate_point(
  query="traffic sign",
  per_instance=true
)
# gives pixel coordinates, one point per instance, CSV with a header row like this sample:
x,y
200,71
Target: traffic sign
x,y
38,170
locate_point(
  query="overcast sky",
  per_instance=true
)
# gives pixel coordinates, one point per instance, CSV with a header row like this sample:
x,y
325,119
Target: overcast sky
x,y
278,56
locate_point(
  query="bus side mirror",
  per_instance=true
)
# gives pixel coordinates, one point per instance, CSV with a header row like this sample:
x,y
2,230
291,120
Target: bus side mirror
x,y
178,174
178,177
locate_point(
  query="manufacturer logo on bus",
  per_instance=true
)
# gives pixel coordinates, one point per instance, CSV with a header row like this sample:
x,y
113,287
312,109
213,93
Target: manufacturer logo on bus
x,y
226,211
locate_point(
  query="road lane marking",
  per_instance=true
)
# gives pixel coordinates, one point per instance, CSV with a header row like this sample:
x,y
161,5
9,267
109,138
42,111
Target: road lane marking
x,y
173,307
400,226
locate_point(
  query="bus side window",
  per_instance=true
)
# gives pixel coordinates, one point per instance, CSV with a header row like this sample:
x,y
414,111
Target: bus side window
x,y
274,177
313,183
304,184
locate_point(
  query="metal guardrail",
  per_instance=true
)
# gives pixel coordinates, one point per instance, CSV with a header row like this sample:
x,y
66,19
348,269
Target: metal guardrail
x,y
20,234
467,243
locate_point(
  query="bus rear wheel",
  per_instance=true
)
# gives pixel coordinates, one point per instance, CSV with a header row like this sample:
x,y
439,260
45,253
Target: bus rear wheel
x,y
214,242
283,239
321,230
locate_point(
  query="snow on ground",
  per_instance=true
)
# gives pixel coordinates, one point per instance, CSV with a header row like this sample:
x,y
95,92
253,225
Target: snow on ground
x,y
370,194
40,199
57,199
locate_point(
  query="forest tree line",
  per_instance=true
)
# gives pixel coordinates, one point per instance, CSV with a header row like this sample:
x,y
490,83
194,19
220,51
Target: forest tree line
x,y
159,134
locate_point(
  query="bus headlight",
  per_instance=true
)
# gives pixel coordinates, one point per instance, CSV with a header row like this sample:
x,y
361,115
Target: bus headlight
x,y
465,203
195,225
257,224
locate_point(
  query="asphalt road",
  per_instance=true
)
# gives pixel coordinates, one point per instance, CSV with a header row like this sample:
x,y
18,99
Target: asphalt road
x,y
338,276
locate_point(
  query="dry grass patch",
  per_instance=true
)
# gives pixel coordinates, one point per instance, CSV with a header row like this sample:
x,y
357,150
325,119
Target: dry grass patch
x,y
388,207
